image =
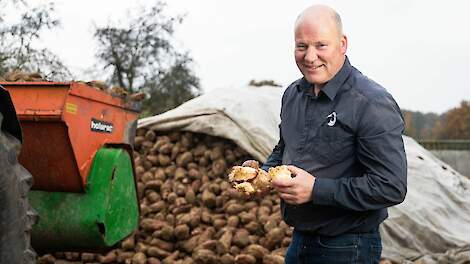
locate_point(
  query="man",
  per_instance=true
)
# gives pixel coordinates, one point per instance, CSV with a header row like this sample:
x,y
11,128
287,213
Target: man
x,y
341,134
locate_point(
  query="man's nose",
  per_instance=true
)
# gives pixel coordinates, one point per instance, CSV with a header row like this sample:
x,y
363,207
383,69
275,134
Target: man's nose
x,y
310,55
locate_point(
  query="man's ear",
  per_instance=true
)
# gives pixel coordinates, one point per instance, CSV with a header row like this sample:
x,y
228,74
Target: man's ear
x,y
344,44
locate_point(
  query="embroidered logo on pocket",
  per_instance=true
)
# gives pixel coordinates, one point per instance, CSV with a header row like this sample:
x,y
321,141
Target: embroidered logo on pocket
x,y
331,119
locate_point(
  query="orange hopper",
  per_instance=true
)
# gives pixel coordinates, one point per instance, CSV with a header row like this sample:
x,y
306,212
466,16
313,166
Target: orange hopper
x,y
64,124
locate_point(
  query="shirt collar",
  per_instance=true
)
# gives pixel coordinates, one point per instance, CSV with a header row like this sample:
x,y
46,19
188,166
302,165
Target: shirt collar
x,y
332,87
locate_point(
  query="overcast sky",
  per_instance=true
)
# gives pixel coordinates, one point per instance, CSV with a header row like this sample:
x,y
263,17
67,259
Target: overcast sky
x,y
417,49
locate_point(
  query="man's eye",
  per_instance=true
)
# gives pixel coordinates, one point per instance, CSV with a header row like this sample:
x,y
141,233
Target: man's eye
x,y
321,45
300,46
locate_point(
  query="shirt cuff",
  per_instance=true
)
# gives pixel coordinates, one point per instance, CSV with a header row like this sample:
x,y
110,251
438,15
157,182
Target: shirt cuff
x,y
323,191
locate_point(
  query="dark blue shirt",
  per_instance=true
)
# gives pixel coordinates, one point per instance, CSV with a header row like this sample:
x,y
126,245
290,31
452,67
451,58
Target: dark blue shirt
x,y
350,138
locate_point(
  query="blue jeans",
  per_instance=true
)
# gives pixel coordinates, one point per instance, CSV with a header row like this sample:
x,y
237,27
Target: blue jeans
x,y
361,248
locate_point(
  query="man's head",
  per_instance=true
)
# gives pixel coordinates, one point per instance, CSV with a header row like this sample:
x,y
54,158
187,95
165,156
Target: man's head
x,y
320,45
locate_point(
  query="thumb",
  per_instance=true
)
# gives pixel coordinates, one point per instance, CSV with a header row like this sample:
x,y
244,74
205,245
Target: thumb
x,y
293,169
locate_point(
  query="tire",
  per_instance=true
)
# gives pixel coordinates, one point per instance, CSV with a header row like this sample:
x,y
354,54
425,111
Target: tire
x,y
16,216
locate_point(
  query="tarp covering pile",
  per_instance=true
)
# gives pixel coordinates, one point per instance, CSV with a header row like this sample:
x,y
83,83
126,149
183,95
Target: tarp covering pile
x,y
432,225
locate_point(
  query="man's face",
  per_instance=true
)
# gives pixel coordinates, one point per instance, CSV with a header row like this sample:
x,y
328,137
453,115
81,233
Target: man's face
x,y
319,50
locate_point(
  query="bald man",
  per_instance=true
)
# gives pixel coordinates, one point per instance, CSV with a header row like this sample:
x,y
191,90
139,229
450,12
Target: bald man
x,y
341,134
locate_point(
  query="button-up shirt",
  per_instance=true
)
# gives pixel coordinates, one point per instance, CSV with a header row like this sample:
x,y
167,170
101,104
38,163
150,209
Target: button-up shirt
x,y
349,137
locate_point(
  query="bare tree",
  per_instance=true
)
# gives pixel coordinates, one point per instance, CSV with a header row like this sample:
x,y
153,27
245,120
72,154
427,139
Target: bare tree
x,y
18,40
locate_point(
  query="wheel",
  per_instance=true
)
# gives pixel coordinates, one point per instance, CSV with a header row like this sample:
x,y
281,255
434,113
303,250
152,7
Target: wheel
x,y
16,216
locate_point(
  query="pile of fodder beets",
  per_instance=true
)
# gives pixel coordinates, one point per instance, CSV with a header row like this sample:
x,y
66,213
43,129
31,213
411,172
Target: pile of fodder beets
x,y
190,213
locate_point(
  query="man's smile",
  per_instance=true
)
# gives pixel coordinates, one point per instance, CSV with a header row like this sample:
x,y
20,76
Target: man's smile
x,y
312,68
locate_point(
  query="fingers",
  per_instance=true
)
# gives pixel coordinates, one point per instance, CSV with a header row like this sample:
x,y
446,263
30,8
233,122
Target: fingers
x,y
282,184
295,170
287,190
288,198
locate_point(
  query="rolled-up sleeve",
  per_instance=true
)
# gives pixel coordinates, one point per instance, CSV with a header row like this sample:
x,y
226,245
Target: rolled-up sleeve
x,y
381,152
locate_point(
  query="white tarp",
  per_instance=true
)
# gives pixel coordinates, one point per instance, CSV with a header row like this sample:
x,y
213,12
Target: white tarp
x,y
248,116
432,224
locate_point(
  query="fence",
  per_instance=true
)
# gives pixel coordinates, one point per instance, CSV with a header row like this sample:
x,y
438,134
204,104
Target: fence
x,y
445,144
456,153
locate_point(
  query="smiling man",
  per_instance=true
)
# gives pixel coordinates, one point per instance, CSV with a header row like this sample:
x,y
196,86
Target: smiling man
x,y
320,45
341,135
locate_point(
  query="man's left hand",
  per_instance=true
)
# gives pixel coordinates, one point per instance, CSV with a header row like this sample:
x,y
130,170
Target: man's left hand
x,y
299,189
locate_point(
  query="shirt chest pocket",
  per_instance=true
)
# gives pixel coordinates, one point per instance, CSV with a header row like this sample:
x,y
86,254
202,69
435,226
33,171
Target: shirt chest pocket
x,y
333,144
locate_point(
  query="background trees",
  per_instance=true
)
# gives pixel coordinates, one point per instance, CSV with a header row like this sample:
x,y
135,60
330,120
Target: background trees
x,y
456,124
453,124
140,56
420,125
19,36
